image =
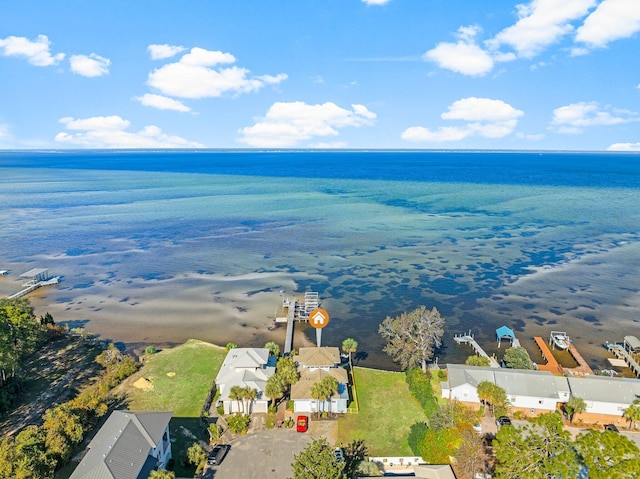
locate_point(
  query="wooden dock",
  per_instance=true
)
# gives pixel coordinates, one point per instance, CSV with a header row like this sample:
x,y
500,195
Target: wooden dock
x,y
554,367
296,309
468,339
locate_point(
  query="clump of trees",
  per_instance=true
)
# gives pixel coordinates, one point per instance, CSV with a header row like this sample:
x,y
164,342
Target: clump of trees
x,y
517,358
413,337
323,390
317,461
38,450
21,333
475,360
544,449
420,386
495,396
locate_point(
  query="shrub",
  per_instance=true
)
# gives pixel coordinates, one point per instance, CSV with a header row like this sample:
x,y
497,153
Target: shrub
x,y
220,409
239,423
420,387
151,349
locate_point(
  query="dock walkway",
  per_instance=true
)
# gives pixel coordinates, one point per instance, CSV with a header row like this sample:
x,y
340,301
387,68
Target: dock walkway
x,y
468,339
621,353
554,367
288,340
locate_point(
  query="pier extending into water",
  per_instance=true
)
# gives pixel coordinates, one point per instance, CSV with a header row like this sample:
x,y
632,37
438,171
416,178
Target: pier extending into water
x,y
622,352
467,338
36,278
295,309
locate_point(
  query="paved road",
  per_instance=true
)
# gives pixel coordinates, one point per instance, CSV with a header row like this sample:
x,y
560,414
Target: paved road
x,y
263,455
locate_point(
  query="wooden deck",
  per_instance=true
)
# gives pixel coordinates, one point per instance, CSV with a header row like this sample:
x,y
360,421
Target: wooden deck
x,y
554,367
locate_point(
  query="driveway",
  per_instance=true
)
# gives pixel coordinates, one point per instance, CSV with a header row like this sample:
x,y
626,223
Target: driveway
x,y
262,455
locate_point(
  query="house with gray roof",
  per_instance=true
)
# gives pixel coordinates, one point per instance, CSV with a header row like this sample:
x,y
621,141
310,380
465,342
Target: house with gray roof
x,y
533,392
245,368
604,396
128,446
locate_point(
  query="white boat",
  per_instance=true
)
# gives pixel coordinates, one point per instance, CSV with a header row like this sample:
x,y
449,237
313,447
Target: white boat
x,y
560,340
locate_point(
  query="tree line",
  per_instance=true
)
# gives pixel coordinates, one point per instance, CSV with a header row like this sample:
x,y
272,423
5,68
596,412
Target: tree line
x,y
38,450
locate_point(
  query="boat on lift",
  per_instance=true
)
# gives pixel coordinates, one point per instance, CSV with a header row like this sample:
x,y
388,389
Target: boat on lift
x,y
560,339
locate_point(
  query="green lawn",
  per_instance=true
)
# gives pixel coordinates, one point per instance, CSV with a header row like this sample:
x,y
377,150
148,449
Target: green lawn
x,y
180,377
387,412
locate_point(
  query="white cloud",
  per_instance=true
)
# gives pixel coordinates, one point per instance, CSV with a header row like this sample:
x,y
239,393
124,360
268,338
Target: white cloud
x,y
289,124
161,102
442,134
530,136
573,118
481,109
485,117
624,147
612,20
464,56
193,76
160,52
541,23
376,2
37,51
109,132
89,66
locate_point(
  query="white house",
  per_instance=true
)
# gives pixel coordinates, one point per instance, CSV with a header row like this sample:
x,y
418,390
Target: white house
x,y
533,392
246,368
606,398
315,364
128,446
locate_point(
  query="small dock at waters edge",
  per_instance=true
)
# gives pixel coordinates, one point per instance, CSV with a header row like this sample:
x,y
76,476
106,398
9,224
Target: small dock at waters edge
x,y
467,338
623,352
36,278
295,309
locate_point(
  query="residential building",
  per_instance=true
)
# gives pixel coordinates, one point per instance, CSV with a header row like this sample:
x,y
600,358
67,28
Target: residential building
x,y
315,364
128,446
606,398
532,392
245,368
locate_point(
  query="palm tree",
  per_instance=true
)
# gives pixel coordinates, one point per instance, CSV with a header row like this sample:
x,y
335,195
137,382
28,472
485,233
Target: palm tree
x,y
236,394
249,394
349,346
273,347
318,392
632,413
274,388
573,406
330,387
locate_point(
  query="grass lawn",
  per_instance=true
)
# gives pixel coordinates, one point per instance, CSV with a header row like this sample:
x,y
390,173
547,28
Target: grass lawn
x,y
181,378
387,412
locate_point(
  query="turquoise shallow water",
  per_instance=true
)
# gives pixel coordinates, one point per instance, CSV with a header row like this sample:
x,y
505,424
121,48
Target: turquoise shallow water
x,y
162,247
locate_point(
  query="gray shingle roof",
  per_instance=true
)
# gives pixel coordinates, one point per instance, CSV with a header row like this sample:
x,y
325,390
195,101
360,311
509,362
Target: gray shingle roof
x,y
120,449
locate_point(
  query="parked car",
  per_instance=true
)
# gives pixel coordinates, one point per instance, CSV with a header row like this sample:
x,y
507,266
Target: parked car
x,y
302,423
611,427
503,421
477,427
217,454
339,452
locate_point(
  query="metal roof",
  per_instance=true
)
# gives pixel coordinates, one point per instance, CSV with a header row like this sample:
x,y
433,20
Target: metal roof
x,y
504,332
33,272
633,342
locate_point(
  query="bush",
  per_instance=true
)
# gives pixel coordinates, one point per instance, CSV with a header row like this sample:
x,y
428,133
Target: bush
x,y
220,409
239,423
420,387
150,349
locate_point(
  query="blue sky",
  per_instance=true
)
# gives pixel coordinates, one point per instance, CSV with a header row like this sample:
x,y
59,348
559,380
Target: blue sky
x,y
432,74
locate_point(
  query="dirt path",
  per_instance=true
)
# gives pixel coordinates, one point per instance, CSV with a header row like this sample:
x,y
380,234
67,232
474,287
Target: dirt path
x,y
54,373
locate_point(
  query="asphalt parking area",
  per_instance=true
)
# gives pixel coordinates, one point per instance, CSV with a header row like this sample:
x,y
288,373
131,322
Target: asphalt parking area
x,y
265,454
